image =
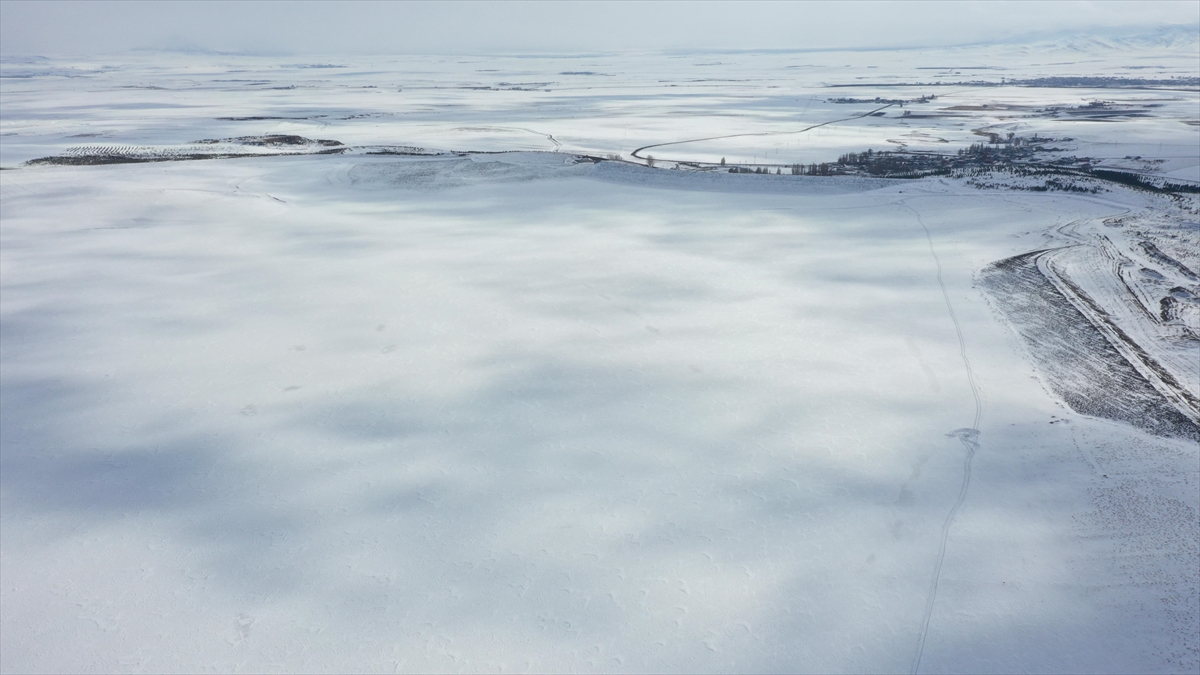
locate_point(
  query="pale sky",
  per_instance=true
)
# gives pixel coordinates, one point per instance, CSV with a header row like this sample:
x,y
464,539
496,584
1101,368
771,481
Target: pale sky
x,y
97,27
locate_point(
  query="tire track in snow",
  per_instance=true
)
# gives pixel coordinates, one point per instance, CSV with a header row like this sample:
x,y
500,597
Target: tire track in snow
x,y
969,437
546,136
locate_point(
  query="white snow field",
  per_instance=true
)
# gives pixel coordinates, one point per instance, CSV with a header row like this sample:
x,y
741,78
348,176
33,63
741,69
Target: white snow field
x,y
512,408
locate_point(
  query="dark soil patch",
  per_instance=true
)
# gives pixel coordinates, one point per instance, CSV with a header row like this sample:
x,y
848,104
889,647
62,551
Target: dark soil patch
x,y
1077,362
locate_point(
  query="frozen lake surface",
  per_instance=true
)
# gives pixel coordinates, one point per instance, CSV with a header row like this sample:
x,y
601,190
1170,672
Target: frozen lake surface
x,y
494,402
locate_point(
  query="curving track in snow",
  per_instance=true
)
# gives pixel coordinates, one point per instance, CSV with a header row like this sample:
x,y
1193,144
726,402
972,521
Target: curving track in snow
x,y
745,135
968,436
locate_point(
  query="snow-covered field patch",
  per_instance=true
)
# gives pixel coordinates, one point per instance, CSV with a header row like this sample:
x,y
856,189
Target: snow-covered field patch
x,y
493,400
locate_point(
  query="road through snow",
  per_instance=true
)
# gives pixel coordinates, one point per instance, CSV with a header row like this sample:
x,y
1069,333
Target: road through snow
x,y
758,133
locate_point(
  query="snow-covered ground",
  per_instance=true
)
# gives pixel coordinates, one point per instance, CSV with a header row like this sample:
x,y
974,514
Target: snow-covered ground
x,y
530,411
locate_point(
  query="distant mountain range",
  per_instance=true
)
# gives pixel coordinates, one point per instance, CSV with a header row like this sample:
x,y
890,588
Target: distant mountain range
x,y
1109,39
1174,38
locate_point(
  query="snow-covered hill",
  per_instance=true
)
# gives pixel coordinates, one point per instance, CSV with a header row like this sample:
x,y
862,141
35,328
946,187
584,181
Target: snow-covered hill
x,y
466,385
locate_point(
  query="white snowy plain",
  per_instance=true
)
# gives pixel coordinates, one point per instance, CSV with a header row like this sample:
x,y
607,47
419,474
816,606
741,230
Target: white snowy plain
x,y
512,412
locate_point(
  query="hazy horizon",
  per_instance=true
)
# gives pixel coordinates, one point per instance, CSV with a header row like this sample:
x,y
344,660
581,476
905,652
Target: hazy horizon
x,y
296,28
